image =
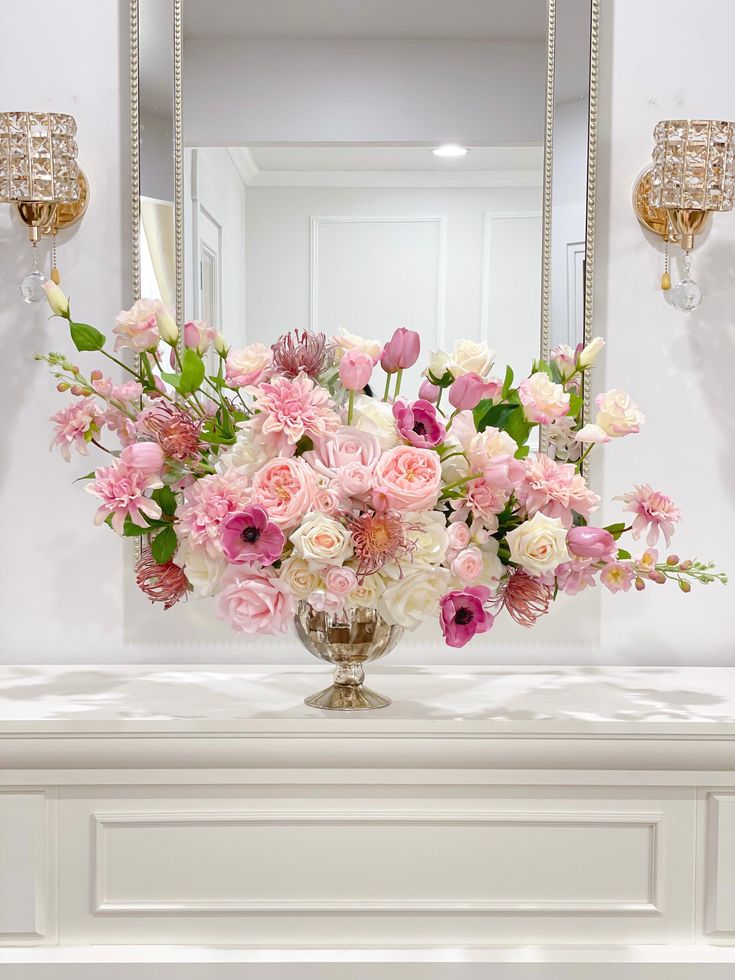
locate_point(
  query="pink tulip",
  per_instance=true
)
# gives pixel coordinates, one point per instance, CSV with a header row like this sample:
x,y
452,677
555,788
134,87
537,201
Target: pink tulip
x,y
468,391
355,370
145,457
591,542
401,351
429,392
504,472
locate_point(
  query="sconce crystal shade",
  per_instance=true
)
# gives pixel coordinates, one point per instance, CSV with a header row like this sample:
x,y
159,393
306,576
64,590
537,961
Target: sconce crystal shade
x,y
693,165
38,158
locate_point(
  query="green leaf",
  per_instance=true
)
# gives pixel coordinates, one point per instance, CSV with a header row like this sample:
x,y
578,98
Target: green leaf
x,y
217,440
192,371
87,476
522,452
615,529
86,337
486,414
508,381
163,546
172,379
443,382
556,373
575,404
166,500
542,366
623,554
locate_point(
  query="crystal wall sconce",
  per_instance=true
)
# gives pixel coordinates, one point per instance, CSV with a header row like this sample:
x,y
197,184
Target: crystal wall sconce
x,y
693,175
39,174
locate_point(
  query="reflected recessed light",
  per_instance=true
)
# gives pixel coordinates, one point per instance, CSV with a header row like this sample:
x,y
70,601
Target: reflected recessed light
x,y
450,150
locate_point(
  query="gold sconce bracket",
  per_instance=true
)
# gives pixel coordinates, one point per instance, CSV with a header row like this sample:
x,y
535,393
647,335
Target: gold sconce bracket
x,y
671,224
45,218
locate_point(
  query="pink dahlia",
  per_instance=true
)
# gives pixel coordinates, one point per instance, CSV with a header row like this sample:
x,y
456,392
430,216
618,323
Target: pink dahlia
x,y
250,537
653,510
287,410
555,489
75,426
462,615
121,488
417,423
207,504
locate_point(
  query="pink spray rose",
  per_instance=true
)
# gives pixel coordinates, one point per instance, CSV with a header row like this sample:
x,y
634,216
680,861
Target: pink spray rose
x,y
249,537
401,351
285,488
122,492
468,565
248,366
418,424
459,535
254,602
408,478
355,370
137,327
463,615
591,542
146,457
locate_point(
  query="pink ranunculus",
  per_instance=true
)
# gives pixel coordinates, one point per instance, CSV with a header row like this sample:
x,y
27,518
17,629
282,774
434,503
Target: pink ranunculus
x,y
199,336
254,602
418,424
462,615
285,488
591,542
555,489
469,390
401,351
542,399
122,492
354,480
468,565
248,366
341,581
147,457
654,511
459,535
429,392
207,503
409,478
137,328
504,472
289,409
250,536
355,370
75,426
617,576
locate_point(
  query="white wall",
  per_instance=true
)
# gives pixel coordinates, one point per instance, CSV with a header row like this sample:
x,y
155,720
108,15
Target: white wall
x,y
62,582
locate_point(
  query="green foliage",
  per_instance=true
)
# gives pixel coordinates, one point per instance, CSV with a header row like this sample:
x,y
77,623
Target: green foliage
x,y
507,381
623,555
508,417
192,371
615,529
304,445
85,337
163,546
166,500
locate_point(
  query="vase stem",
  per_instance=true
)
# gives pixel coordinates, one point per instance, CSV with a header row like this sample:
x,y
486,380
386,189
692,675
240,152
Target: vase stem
x,y
349,675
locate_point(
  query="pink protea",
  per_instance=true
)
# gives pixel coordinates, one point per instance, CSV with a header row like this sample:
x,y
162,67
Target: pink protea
x,y
526,598
378,539
300,352
653,511
555,489
172,428
122,489
207,504
165,583
287,410
75,426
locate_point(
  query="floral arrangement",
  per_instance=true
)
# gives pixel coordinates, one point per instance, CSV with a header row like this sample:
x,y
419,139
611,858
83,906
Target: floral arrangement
x,y
278,476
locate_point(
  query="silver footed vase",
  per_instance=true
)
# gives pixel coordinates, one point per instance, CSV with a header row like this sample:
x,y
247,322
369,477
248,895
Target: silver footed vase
x,y
348,639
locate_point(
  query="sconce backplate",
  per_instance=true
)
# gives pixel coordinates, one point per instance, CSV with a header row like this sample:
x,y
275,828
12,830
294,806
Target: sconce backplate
x,y
654,219
67,215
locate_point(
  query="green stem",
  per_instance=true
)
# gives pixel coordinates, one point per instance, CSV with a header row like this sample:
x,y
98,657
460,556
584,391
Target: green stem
x,y
350,407
121,364
399,377
387,387
459,483
584,456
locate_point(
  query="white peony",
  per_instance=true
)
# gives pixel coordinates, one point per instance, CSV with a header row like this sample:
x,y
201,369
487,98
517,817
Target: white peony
x,y
246,455
410,600
299,577
539,545
486,445
430,536
320,540
201,569
470,356
345,341
376,417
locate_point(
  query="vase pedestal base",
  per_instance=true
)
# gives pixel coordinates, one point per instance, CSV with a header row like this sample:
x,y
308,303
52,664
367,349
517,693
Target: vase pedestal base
x,y
347,697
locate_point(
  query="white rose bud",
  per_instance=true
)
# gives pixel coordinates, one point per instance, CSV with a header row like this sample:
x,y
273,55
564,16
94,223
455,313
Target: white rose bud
x,y
539,545
57,299
220,344
589,355
167,328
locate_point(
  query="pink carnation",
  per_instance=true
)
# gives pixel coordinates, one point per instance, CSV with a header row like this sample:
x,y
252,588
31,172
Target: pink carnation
x,y
654,511
486,501
254,602
121,488
75,426
289,409
555,489
207,504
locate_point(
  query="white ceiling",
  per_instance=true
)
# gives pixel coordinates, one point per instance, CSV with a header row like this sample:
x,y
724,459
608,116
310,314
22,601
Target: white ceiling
x,y
499,20
393,158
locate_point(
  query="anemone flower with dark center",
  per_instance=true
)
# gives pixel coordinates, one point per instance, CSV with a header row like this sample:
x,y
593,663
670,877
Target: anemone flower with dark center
x,y
250,536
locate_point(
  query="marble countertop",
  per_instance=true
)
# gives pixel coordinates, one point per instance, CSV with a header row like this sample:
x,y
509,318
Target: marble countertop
x,y
492,700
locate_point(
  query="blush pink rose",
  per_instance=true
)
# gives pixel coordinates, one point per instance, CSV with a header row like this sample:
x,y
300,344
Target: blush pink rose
x,y
248,366
340,581
408,478
467,566
459,535
346,445
285,488
253,602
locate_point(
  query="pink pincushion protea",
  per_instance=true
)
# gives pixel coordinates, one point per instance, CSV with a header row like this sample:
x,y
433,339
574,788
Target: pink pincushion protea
x,y
121,488
556,489
173,429
525,598
165,583
287,410
379,539
654,511
75,426
300,352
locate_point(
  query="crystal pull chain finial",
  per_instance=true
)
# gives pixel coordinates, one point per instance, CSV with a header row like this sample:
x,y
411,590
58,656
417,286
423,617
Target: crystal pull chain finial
x,y
31,286
686,294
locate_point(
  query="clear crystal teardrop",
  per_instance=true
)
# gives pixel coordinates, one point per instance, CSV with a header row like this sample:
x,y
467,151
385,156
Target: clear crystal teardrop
x,y
686,294
31,286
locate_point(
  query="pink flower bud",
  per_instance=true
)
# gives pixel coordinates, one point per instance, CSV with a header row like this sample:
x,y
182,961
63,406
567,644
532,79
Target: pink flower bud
x,y
401,351
459,535
429,392
96,375
145,457
685,586
640,584
355,370
657,576
591,542
467,391
62,386
686,565
672,560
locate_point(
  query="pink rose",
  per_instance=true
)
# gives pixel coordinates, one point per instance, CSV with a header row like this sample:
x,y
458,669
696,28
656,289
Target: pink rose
x,y
354,480
199,335
542,399
340,581
248,366
285,488
459,535
346,445
467,566
253,602
137,328
355,370
408,478
145,457
504,472
326,501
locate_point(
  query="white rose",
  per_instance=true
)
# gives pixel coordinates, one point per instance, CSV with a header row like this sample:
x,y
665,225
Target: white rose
x,y
248,365
376,417
471,356
589,353
542,399
201,569
429,533
492,567
539,545
366,592
322,541
438,364
410,600
488,444
345,341
618,414
299,577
